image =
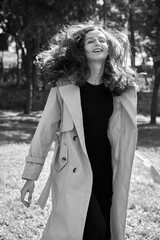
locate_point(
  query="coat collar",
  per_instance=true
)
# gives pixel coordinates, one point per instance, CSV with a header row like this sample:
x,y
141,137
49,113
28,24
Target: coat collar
x,y
71,96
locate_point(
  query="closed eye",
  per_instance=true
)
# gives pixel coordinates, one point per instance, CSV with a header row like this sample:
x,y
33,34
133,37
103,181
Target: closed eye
x,y
102,40
91,41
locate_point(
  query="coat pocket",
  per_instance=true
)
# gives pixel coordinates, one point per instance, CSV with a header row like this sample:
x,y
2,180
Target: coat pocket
x,y
62,158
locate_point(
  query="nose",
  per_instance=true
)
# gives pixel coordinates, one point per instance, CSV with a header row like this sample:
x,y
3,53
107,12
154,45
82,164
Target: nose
x,y
97,43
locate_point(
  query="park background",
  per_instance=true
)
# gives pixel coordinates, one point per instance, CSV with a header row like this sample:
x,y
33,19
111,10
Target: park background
x,y
25,29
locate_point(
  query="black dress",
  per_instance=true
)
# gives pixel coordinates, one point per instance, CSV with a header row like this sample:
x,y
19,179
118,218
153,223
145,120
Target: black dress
x,y
97,107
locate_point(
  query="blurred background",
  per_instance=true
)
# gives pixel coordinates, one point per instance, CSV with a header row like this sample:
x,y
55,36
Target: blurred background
x,y
25,29
27,26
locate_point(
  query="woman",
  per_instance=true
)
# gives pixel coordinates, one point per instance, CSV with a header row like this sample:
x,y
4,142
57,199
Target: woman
x,y
93,109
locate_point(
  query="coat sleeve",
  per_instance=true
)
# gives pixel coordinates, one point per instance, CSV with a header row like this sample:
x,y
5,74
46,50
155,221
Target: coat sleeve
x,y
43,137
129,102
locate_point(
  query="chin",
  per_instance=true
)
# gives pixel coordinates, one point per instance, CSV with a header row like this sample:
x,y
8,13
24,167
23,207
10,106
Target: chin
x,y
97,59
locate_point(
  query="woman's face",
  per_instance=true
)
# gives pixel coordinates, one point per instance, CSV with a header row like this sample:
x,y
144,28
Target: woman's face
x,y
96,47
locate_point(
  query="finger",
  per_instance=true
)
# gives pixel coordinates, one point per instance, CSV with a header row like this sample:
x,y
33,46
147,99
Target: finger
x,y
23,194
26,204
30,197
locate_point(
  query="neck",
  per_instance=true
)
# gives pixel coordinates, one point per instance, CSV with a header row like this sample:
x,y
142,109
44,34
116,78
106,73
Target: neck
x,y
96,72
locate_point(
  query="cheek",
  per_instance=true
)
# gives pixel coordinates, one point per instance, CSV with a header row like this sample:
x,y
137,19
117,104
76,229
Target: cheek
x,y
106,49
105,46
86,49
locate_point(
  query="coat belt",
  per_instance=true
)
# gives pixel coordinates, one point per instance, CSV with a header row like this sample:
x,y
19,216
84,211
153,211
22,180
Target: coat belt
x,y
46,190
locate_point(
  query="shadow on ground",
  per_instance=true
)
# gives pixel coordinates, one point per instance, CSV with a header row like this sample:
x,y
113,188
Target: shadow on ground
x,y
149,135
17,127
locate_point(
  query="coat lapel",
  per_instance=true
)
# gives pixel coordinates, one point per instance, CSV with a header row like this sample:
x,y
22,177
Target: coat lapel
x,y
71,97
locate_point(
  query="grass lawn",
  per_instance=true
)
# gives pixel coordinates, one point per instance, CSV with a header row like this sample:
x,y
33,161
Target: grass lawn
x,y
18,222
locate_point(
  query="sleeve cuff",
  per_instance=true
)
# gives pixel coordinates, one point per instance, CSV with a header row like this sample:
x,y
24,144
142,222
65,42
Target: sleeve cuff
x,y
32,171
31,159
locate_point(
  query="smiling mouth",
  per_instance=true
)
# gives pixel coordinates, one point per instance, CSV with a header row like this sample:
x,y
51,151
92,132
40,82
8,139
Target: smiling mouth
x,y
98,50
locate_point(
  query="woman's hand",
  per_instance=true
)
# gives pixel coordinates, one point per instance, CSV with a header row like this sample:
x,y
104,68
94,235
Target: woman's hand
x,y
27,188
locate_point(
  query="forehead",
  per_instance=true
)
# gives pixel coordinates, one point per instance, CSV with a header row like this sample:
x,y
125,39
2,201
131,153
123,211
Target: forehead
x,y
95,33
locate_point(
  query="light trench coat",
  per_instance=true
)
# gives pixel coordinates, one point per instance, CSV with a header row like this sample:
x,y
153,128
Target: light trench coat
x,y
71,177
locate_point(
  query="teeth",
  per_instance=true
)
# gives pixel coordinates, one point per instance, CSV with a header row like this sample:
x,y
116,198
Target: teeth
x,y
98,50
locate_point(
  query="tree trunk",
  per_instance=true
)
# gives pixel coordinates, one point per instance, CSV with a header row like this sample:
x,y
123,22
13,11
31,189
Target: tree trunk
x,y
17,67
132,38
1,67
28,72
34,81
155,92
104,13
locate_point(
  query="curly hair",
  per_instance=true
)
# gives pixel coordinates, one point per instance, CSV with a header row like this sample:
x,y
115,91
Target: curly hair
x,y
66,58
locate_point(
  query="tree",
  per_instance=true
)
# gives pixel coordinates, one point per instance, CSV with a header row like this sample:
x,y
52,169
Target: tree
x,y
153,32
149,30
32,22
143,20
3,47
21,20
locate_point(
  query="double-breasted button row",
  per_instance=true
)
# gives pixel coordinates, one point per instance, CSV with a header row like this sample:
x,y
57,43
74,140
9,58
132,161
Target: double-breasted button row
x,y
64,159
75,137
75,170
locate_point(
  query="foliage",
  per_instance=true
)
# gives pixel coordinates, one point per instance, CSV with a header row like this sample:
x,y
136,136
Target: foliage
x,y
32,23
36,21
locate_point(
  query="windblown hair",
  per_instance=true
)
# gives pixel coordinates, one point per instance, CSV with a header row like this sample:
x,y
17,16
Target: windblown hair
x,y
66,58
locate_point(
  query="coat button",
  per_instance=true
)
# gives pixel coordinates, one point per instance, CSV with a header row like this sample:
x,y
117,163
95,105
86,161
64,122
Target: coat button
x,y
74,138
64,159
75,170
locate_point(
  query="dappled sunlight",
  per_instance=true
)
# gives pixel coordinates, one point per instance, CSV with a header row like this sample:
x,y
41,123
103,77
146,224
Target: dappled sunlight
x,y
145,119
16,131
17,127
15,136
19,115
149,135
